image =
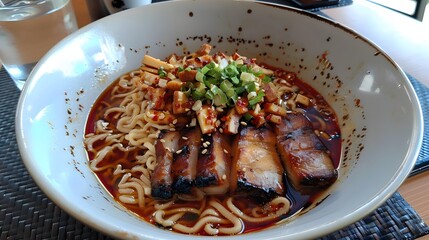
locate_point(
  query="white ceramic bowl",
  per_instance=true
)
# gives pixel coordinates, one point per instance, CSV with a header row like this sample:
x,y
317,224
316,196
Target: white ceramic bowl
x,y
379,113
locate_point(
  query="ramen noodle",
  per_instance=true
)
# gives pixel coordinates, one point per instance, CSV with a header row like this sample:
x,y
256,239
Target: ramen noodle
x,y
212,144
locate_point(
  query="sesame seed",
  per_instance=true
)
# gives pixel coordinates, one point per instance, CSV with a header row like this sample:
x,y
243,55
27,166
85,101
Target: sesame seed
x,y
325,135
243,123
317,132
179,151
174,121
204,144
204,151
162,140
221,130
184,138
224,177
225,151
208,143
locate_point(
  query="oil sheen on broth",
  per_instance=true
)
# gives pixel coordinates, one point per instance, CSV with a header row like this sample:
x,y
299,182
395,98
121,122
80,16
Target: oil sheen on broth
x,y
213,144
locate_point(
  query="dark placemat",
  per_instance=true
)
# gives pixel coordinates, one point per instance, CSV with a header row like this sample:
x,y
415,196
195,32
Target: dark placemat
x,y
422,91
27,213
395,219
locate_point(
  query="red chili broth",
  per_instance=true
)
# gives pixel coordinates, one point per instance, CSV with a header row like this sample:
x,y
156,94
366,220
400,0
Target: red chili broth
x,y
298,200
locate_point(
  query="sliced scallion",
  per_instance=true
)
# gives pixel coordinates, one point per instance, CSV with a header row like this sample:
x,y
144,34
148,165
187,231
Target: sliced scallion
x,y
247,77
161,72
199,91
258,98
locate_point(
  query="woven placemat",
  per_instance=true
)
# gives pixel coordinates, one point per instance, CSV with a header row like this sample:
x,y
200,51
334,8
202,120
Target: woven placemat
x,y
27,213
422,91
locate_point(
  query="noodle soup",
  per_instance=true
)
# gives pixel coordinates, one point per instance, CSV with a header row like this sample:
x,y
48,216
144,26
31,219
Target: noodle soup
x,y
213,144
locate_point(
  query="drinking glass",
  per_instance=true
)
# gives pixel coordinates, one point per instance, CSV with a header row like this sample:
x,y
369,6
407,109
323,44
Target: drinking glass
x,y
28,29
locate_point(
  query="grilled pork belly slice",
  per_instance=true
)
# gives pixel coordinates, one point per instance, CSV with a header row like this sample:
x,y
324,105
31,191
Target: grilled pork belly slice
x,y
256,167
185,160
292,122
213,168
308,165
161,180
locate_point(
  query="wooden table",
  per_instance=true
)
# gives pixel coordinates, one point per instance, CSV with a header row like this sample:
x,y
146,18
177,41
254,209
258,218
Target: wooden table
x,y
403,38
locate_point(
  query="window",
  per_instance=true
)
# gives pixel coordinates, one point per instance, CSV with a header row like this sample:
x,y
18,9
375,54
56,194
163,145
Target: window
x,y
413,8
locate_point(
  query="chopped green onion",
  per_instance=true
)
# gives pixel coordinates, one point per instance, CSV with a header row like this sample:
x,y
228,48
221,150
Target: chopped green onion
x,y
247,77
232,100
215,89
231,70
205,69
226,86
258,73
235,80
209,95
230,92
161,72
199,91
247,116
240,90
219,96
200,76
267,79
250,87
187,88
258,98
223,83
213,73
244,68
208,81
220,100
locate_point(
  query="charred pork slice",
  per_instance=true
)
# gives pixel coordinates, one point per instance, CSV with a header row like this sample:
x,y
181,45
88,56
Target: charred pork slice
x,y
256,167
185,160
213,166
307,162
161,179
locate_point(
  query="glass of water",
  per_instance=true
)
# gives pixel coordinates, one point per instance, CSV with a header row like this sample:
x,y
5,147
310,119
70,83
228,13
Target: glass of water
x,y
28,29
